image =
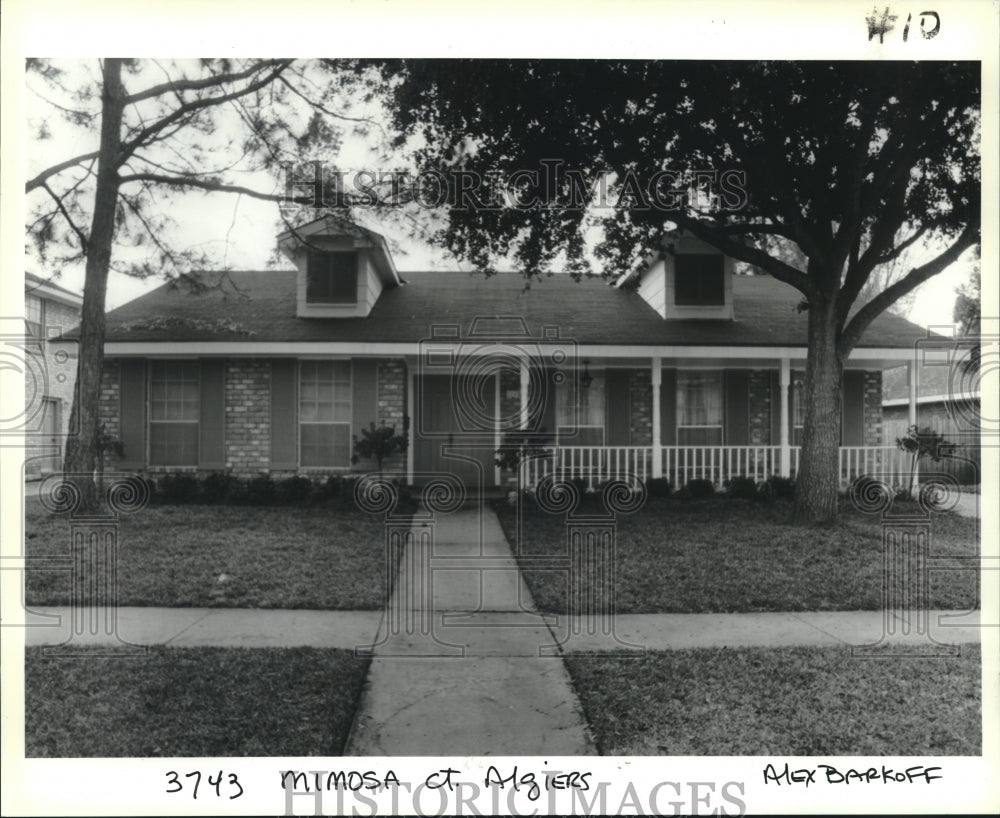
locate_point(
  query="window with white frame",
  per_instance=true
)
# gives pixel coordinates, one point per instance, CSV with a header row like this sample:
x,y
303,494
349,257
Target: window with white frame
x,y
325,413
34,314
699,408
580,410
174,407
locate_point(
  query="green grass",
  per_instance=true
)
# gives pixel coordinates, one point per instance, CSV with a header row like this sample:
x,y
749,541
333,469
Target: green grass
x,y
192,702
228,556
721,555
789,701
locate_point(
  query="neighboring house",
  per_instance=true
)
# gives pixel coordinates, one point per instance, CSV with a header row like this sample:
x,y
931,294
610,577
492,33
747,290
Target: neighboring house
x,y
682,370
50,311
947,400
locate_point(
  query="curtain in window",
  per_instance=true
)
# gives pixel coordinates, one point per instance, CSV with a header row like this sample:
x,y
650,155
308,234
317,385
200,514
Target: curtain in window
x,y
580,412
699,408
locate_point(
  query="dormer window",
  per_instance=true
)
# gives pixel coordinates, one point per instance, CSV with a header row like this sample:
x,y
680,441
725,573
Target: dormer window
x,y
332,277
699,280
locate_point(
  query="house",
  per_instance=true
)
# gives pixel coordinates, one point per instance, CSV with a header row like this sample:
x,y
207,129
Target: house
x,y
681,370
946,400
50,372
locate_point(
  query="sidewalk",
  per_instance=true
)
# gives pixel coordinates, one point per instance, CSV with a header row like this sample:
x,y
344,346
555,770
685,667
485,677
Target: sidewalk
x,y
266,628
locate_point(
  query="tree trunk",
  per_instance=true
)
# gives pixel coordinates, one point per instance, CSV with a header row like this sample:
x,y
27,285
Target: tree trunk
x,y
81,447
818,478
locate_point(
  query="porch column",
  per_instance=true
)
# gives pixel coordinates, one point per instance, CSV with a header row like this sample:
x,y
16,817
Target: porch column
x,y
411,432
911,383
911,411
784,381
657,379
496,427
525,380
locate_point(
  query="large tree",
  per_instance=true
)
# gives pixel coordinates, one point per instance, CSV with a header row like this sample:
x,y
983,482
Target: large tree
x,y
848,164
149,129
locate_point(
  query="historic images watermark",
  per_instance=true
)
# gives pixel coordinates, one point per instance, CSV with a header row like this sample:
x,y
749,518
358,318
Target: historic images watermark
x,y
552,185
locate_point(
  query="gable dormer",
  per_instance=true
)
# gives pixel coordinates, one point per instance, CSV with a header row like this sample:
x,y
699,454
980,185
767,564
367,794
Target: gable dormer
x,y
342,269
689,279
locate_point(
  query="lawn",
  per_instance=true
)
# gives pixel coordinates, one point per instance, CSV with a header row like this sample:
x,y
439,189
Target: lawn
x,y
228,556
777,702
723,555
192,702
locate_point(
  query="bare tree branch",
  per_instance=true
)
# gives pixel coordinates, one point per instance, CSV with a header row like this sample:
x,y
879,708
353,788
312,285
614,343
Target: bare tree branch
x,y
917,276
62,209
129,147
752,255
39,180
178,86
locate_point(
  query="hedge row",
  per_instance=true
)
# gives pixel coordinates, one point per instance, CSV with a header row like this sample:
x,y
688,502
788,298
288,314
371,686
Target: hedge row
x,y
222,488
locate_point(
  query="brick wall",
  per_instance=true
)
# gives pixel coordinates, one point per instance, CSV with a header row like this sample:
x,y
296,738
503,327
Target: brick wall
x,y
391,373
110,398
248,416
391,397
640,388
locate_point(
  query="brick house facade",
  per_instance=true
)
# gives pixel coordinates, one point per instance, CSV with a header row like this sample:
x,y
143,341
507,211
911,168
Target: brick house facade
x,y
289,379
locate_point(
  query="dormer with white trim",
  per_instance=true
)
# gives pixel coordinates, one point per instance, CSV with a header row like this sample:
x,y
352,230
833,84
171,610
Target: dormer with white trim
x,y
688,278
342,270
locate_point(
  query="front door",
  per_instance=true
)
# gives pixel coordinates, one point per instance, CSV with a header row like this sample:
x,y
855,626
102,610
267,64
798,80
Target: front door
x,y
447,440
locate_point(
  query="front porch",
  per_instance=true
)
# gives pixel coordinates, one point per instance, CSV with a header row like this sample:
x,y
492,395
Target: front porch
x,y
703,413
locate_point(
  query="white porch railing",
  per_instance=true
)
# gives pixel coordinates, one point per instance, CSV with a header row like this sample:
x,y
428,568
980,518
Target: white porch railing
x,y
883,462
719,464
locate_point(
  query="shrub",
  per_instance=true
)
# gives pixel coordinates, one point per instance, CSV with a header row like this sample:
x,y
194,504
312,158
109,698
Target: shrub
x,y
261,491
699,488
220,487
379,443
658,487
742,488
294,490
782,487
178,488
765,492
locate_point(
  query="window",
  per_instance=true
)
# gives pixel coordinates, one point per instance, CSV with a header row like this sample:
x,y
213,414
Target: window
x,y
580,411
325,413
34,314
173,413
699,408
332,278
699,281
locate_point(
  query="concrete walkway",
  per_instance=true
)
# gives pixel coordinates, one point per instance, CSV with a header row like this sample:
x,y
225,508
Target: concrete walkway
x,y
456,668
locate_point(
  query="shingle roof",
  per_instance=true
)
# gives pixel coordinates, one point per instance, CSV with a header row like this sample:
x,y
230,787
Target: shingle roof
x,y
589,312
